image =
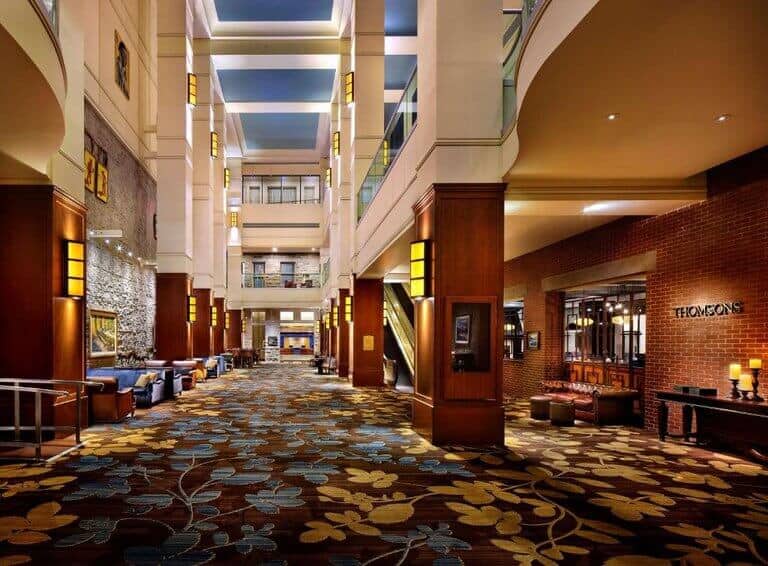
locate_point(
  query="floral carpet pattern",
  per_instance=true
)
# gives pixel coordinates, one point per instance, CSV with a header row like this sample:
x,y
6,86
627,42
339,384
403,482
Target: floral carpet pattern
x,y
278,465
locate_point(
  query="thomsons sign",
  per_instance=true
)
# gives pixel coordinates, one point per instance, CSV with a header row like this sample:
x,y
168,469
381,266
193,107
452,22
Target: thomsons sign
x,y
710,310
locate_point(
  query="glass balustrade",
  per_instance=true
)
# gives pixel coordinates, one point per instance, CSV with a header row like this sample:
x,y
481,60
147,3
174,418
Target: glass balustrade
x,y
50,10
280,280
395,136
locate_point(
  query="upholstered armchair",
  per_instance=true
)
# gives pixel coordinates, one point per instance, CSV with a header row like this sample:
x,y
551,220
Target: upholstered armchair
x,y
111,404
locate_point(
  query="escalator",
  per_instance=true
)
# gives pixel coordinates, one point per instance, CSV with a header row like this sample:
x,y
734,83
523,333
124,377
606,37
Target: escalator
x,y
399,340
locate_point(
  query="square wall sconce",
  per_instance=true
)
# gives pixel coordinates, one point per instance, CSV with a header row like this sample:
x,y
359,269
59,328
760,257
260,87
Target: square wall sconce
x,y
192,89
386,311
317,326
327,319
214,145
421,267
227,177
74,268
335,316
329,177
226,320
214,316
385,152
243,325
349,88
348,308
191,308
336,144
234,219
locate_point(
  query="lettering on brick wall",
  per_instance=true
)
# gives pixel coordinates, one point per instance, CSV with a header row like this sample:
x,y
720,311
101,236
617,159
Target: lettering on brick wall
x,y
705,311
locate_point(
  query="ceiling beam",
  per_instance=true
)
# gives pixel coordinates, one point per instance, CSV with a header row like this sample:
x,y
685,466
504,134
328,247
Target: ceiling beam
x,y
274,46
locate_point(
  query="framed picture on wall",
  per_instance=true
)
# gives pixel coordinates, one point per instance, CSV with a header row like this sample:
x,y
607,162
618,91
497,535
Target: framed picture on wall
x,y
533,340
103,333
122,66
102,183
461,330
89,162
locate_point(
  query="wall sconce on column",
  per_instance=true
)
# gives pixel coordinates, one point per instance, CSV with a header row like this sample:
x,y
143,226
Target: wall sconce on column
x,y
386,311
226,320
349,88
234,219
385,152
227,177
421,269
74,268
329,177
214,145
191,308
335,316
243,325
336,144
214,317
348,308
327,320
192,89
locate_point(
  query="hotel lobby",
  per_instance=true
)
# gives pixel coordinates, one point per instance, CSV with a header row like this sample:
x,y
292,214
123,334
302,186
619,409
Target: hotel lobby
x,y
358,282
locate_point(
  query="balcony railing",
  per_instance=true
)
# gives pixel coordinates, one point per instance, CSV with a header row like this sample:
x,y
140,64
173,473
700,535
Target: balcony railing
x,y
516,26
50,9
280,281
395,136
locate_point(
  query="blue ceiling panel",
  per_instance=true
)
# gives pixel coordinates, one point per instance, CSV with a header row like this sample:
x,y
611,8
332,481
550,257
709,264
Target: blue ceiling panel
x,y
277,85
280,131
274,10
400,17
397,70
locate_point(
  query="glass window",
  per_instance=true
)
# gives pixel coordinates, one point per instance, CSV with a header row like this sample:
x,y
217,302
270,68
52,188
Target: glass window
x,y
307,315
287,273
259,269
286,315
308,196
514,333
274,195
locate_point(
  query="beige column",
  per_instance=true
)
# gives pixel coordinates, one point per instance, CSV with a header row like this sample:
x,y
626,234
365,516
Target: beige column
x,y
203,174
460,101
367,114
220,206
174,138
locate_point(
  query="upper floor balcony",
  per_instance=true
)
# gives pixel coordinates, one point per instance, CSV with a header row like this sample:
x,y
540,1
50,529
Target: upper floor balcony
x,y
280,280
34,93
282,189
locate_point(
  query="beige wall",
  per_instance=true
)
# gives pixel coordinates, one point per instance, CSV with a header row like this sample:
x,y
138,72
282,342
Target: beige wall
x,y
134,118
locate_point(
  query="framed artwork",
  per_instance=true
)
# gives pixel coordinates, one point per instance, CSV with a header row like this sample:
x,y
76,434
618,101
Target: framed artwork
x,y
103,333
461,329
122,66
89,161
533,340
102,183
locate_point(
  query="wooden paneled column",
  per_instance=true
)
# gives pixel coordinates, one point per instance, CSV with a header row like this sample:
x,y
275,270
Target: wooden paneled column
x,y
218,330
333,334
173,332
342,341
367,336
234,334
323,337
202,333
43,330
458,388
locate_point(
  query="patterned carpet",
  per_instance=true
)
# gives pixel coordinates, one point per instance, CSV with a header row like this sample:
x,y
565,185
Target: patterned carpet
x,y
281,466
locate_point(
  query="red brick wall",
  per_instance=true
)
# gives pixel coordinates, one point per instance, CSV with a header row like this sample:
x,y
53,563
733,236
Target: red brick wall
x,y
712,251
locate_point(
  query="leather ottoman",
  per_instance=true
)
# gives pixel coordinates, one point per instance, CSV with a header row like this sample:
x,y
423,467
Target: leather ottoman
x,y
540,407
562,414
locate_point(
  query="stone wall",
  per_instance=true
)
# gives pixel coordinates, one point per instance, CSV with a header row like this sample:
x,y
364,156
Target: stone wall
x,y
122,279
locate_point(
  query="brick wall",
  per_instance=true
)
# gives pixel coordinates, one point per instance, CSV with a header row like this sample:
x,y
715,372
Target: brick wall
x,y
708,252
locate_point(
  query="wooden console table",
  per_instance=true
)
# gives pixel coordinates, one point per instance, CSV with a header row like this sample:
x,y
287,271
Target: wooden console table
x,y
736,424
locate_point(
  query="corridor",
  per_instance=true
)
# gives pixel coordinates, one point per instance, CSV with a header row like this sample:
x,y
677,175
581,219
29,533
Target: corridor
x,y
277,465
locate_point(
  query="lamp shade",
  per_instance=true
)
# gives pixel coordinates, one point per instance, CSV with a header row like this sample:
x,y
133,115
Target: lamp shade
x,y
191,308
74,268
420,275
349,88
348,308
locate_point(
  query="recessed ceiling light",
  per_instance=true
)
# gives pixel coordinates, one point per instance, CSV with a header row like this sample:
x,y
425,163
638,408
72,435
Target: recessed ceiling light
x,y
106,241
274,249
119,247
314,249
722,118
597,207
130,254
510,207
612,117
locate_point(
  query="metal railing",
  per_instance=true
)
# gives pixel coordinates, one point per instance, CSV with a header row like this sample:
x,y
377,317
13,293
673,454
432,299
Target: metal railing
x,y
401,327
280,281
21,385
396,135
50,9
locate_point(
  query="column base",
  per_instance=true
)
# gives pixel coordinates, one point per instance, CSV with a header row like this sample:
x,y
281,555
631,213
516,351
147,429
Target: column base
x,y
475,424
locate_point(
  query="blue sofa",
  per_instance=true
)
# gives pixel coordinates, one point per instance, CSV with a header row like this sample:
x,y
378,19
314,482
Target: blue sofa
x,y
145,396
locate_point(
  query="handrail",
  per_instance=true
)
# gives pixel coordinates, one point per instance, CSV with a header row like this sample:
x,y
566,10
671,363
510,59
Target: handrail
x,y
19,385
402,328
52,28
389,147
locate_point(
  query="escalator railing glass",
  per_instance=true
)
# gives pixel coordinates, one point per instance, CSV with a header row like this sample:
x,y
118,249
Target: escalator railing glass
x,y
401,326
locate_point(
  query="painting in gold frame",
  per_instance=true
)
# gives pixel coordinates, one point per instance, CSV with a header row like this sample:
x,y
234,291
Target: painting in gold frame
x,y
122,66
102,183
89,162
102,333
